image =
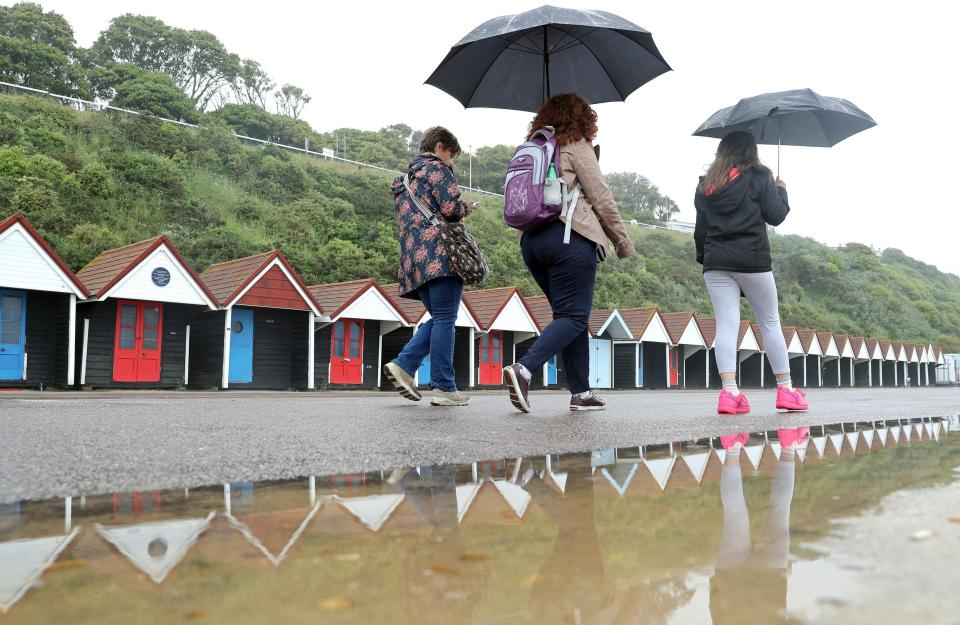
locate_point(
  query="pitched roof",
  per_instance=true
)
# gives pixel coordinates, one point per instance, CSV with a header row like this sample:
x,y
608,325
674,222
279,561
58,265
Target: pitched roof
x,y
708,327
885,346
871,345
897,348
637,319
824,338
806,338
541,310
676,323
788,332
758,334
334,298
841,340
110,266
227,280
598,317
412,309
20,218
856,342
486,304
743,332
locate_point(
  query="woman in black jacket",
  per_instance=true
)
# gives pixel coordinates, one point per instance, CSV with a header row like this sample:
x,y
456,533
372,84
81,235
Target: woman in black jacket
x,y
735,201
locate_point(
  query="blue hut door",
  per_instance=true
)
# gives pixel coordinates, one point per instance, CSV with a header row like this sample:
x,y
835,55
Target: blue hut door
x,y
552,370
13,323
600,363
423,373
640,366
241,346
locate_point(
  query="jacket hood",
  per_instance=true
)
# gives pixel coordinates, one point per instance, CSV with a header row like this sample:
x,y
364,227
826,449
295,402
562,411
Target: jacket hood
x,y
729,198
416,165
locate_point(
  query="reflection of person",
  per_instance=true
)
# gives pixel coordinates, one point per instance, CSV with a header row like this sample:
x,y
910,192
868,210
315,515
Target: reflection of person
x,y
425,270
566,273
444,585
750,583
735,201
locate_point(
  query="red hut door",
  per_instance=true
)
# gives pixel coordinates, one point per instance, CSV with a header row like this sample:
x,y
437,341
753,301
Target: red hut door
x,y
136,353
491,357
674,366
346,352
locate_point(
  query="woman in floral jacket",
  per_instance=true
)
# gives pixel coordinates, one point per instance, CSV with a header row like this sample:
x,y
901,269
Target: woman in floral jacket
x,y
425,272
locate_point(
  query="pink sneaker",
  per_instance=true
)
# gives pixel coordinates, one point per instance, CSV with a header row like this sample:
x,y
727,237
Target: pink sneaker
x,y
732,404
791,400
793,438
730,440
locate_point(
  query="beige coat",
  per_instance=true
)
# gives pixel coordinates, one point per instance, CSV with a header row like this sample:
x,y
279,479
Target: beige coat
x,y
596,216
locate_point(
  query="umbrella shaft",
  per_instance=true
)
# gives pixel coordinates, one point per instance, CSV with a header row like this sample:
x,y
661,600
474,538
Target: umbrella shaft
x,y
546,66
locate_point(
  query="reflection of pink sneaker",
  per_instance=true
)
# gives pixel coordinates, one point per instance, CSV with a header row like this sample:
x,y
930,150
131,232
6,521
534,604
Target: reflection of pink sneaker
x,y
731,440
793,438
791,400
732,404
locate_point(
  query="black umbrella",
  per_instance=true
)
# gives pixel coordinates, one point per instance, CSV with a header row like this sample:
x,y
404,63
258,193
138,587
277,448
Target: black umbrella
x,y
797,117
518,61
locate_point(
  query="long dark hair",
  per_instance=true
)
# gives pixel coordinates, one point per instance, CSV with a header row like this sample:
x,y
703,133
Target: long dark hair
x,y
571,117
737,149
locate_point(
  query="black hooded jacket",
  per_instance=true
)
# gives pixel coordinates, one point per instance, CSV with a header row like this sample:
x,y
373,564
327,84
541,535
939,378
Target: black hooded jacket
x,y
731,230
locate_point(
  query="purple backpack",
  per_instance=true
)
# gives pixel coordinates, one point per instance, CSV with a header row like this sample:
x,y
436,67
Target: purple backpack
x,y
531,199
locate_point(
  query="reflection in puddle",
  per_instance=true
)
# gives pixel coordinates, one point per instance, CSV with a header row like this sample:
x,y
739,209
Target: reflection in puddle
x,y
728,530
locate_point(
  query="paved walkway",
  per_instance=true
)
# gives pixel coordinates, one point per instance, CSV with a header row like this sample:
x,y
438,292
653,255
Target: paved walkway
x,y
56,444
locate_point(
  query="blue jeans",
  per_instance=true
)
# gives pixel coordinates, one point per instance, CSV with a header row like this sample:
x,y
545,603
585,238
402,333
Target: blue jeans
x,y
566,274
441,298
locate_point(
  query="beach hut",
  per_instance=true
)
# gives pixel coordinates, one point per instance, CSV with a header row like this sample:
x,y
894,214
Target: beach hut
x,y
262,334
135,327
913,359
830,361
846,359
876,361
708,326
930,375
862,374
504,320
902,360
552,374
812,372
38,307
465,328
768,378
612,348
651,350
749,357
689,349
890,374
348,346
795,352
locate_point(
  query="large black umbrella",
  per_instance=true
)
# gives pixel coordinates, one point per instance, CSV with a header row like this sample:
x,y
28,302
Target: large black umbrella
x,y
797,117
518,61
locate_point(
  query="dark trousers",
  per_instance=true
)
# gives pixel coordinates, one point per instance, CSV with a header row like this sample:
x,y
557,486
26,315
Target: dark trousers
x,y
566,273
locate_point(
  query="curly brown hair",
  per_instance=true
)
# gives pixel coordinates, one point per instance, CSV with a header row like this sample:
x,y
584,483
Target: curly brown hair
x,y
571,117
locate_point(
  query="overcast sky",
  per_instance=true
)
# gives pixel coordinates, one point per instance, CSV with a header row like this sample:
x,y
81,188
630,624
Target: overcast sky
x,y
894,185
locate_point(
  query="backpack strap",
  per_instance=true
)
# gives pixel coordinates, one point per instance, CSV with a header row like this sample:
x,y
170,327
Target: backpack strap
x,y
569,204
430,215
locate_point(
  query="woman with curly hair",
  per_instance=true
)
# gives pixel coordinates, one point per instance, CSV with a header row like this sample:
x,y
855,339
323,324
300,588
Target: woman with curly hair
x,y
567,272
425,271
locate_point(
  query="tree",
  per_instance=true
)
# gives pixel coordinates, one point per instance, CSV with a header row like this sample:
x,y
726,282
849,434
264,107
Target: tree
x,y
291,100
37,50
155,93
251,84
664,208
635,196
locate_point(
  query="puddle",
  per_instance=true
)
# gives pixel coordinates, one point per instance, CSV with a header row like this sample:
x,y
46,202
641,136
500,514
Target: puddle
x,y
793,527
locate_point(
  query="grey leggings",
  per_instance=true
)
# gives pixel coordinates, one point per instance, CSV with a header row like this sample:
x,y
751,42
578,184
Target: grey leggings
x,y
761,291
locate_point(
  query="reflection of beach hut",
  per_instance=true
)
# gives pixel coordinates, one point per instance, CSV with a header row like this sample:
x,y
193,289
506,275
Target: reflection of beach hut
x,y
862,375
795,353
274,534
38,308
812,373
492,501
23,562
749,357
830,370
689,350
504,320
612,349
653,367
156,548
349,339
135,327
262,335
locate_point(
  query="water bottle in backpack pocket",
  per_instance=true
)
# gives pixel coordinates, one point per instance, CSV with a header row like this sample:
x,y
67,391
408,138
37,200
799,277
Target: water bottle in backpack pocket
x,y
534,194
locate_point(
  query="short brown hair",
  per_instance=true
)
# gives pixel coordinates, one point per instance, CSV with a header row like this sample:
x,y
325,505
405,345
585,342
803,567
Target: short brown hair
x,y
438,134
571,117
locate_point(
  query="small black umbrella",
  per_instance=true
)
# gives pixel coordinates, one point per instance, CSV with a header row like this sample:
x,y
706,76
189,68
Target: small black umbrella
x,y
797,117
518,61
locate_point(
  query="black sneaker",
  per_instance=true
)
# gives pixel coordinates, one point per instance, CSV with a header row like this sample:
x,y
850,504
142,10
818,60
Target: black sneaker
x,y
591,402
518,386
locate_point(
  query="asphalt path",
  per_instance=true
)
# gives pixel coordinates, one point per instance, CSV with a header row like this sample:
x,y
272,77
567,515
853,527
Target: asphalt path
x,y
57,444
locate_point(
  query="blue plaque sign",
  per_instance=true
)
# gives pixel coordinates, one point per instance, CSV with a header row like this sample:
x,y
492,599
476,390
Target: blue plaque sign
x,y
160,276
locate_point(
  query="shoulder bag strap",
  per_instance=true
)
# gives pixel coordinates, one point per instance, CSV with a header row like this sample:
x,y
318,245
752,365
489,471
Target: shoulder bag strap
x,y
423,209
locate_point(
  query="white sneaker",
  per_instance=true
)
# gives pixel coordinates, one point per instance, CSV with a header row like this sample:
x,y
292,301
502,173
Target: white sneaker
x,y
452,398
401,380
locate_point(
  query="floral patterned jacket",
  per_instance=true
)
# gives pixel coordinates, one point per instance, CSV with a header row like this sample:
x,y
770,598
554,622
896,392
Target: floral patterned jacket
x,y
422,256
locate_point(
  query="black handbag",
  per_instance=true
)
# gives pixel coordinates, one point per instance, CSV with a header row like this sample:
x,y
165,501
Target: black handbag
x,y
465,256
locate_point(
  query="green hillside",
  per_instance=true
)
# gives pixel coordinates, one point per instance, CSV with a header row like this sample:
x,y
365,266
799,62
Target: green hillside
x,y
92,181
